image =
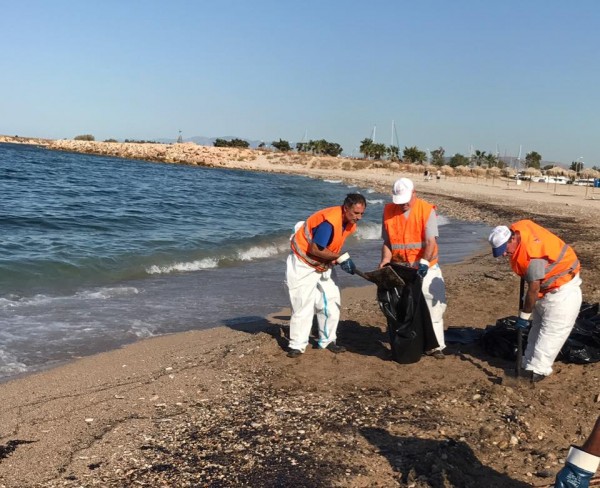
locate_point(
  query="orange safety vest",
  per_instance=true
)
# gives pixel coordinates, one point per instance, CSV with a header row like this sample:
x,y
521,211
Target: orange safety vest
x,y
539,243
407,236
300,243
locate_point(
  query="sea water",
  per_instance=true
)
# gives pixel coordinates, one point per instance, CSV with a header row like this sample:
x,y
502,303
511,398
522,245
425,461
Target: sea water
x,y
97,252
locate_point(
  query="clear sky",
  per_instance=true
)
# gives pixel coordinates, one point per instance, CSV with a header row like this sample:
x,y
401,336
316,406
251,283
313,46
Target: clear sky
x,y
456,74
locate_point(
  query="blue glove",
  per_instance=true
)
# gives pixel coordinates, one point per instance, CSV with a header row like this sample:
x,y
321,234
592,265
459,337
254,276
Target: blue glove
x,y
522,323
422,269
572,476
348,266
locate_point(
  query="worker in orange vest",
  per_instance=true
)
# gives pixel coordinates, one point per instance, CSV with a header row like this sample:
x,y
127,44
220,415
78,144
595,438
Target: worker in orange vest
x,y
410,233
553,298
316,247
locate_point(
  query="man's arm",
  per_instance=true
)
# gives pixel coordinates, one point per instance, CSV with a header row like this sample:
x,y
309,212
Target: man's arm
x,y
592,444
386,255
428,254
322,252
581,463
533,290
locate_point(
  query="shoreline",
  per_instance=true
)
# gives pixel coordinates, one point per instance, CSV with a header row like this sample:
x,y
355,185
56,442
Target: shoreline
x,y
226,407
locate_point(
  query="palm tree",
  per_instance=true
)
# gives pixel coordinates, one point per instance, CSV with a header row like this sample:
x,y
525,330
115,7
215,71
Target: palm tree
x,y
366,147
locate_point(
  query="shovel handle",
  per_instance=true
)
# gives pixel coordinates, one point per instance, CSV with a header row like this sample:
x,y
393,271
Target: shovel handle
x,y
519,362
360,273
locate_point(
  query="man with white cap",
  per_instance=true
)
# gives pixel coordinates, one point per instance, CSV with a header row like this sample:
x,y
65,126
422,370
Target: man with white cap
x,y
410,232
316,246
553,298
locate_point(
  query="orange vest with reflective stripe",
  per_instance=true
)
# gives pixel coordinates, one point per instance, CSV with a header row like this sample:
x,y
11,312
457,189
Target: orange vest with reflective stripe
x,y
407,236
300,243
539,243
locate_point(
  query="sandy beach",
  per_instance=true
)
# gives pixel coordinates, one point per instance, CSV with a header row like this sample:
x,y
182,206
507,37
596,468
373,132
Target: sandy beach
x,y
226,408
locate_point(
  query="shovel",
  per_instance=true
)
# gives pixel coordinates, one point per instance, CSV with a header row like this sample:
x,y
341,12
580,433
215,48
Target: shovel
x,y
520,332
514,381
385,277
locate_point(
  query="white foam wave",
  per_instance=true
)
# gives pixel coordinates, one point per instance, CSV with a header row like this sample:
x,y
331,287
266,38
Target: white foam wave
x,y
442,220
104,293
378,201
141,330
198,265
24,301
9,364
332,181
260,252
368,232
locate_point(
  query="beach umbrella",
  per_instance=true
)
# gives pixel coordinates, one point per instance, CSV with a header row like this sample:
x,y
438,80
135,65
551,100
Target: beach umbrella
x,y
417,168
589,173
508,171
477,171
531,172
462,170
555,171
447,170
494,172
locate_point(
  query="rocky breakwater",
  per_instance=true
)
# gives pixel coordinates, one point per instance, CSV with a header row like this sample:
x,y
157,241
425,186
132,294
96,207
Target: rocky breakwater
x,y
25,140
183,153
234,158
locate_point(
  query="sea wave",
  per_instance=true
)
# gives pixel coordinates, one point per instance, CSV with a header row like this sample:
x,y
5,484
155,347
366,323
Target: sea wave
x,y
252,252
261,252
200,264
368,231
442,220
9,364
15,301
109,292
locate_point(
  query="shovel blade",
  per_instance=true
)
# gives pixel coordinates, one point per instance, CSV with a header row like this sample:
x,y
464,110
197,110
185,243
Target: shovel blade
x,y
385,277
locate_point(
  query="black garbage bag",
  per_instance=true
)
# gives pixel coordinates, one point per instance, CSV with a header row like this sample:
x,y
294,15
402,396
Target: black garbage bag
x,y
583,344
581,347
500,340
409,323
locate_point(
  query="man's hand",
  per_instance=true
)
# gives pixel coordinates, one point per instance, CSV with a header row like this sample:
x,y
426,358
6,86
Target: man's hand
x,y
348,266
346,263
423,268
522,323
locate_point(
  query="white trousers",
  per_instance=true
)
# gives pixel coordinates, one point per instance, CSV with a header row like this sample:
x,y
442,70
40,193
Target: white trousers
x,y
311,293
553,319
434,292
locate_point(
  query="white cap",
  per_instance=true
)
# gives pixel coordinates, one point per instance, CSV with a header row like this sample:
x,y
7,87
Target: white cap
x,y
402,192
499,239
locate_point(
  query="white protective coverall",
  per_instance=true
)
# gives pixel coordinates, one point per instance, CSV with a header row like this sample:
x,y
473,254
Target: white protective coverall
x,y
434,292
311,293
552,320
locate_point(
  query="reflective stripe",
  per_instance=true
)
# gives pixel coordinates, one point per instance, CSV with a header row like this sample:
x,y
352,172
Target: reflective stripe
x,y
561,255
416,263
546,284
320,266
410,245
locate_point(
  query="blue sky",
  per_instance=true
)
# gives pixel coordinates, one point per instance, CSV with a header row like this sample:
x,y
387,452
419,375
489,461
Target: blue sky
x,y
456,74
